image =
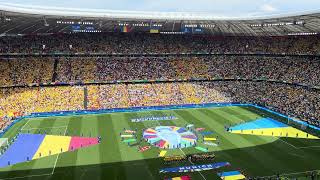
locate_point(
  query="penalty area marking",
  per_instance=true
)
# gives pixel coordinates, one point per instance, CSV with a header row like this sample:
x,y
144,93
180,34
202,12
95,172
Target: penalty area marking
x,y
58,127
302,147
28,123
38,128
288,143
25,124
39,175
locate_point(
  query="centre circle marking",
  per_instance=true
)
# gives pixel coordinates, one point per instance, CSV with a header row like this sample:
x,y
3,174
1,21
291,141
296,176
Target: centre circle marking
x,y
170,137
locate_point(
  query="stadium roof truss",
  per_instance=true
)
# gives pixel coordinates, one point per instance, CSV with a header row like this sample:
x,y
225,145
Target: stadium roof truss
x,y
25,22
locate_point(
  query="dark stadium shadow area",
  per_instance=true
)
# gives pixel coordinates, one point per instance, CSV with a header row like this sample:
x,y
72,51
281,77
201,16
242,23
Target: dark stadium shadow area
x,y
263,160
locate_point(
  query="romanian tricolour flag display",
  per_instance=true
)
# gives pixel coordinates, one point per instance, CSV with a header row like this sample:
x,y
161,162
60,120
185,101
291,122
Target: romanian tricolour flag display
x,y
180,178
125,29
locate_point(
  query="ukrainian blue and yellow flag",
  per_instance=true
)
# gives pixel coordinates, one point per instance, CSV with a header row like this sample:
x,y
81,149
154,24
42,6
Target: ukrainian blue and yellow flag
x,y
231,175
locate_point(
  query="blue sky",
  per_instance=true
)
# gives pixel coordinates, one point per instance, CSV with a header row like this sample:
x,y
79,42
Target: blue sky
x,y
216,7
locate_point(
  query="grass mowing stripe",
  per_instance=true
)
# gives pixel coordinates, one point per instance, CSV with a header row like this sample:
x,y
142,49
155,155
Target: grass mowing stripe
x,y
190,118
107,133
258,139
239,112
258,150
127,155
277,147
239,138
89,128
70,158
58,155
181,123
231,143
155,163
146,167
241,150
14,129
165,123
294,141
48,161
5,172
32,167
89,155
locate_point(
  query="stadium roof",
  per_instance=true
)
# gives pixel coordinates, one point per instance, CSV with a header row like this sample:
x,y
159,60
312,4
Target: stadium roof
x,y
20,19
218,9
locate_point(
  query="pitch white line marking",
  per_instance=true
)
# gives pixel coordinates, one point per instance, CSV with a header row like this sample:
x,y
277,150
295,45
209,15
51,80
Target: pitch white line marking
x,y
193,164
297,155
305,147
55,163
39,175
25,124
58,127
265,177
23,177
288,143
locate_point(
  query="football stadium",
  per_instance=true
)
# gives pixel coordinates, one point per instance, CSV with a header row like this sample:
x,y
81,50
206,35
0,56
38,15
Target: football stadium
x,y
138,95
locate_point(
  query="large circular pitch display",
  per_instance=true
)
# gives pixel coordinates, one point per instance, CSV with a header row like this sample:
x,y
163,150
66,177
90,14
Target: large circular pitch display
x,y
170,137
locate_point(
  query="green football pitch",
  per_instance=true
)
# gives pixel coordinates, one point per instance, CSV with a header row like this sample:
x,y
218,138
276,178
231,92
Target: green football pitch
x,y
114,159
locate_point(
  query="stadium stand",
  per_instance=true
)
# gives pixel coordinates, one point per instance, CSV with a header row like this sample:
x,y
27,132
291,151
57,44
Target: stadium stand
x,y
144,43
261,73
40,99
296,101
302,70
284,83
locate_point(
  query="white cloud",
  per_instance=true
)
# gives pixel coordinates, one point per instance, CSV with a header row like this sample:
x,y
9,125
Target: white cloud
x,y
268,8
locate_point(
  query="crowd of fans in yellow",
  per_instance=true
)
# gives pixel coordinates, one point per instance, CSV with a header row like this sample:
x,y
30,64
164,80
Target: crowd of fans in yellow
x,y
289,99
296,101
22,101
25,71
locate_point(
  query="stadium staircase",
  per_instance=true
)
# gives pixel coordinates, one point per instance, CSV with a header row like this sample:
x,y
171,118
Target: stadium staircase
x,y
55,66
85,99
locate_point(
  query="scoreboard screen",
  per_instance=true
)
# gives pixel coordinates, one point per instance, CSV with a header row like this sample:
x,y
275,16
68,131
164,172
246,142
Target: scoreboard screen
x,y
76,27
82,28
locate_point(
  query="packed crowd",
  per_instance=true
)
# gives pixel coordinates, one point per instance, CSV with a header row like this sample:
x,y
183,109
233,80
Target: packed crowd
x,y
25,71
24,100
19,73
157,43
296,101
87,70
